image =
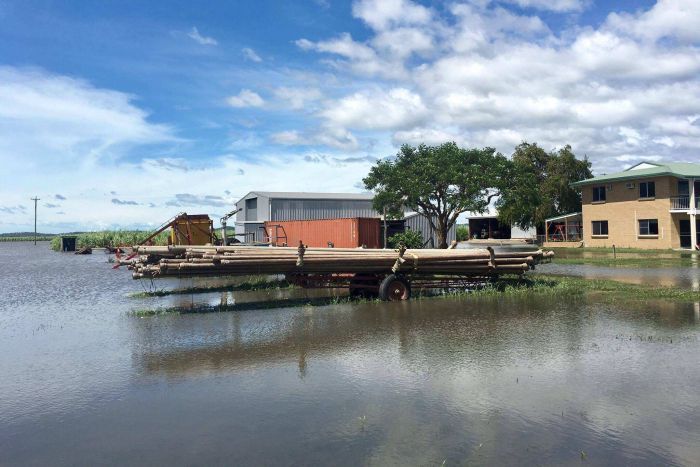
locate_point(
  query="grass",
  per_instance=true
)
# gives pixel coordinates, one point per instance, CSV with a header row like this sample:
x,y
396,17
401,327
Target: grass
x,y
112,238
537,286
261,283
39,238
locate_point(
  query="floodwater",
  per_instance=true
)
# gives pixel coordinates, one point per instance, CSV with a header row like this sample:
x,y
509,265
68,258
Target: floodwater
x,y
490,381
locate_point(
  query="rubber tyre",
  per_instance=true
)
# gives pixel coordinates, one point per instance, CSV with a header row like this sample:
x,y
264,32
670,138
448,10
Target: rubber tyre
x,y
394,288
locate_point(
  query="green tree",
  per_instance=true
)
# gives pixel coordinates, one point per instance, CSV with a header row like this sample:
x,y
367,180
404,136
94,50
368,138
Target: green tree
x,y
541,185
438,182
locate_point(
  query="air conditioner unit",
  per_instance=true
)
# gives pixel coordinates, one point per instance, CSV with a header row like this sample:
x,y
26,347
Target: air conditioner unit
x,y
629,185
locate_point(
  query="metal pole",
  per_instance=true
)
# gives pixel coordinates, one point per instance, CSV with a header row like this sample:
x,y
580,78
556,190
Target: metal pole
x,y
35,199
384,226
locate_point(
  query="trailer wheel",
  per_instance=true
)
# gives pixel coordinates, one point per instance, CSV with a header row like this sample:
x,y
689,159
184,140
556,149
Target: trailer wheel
x,y
394,288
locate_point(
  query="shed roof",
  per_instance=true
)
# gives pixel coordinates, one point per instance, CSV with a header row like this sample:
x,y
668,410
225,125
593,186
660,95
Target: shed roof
x,y
565,216
646,170
312,195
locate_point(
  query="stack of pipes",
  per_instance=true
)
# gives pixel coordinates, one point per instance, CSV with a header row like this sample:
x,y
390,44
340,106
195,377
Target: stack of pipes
x,y
180,261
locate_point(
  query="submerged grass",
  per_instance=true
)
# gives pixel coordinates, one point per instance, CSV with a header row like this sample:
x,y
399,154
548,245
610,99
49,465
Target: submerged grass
x,y
250,306
261,283
537,286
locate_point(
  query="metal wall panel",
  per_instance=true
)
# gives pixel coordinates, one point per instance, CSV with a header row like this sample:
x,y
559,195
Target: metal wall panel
x,y
308,209
258,234
342,233
421,224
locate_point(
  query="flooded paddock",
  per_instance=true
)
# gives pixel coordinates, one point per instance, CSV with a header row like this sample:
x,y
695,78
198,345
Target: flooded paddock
x,y
476,380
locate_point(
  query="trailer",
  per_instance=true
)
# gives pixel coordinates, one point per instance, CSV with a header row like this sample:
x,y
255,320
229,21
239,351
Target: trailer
x,y
387,274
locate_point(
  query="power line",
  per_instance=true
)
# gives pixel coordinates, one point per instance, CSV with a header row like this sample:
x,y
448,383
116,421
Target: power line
x,y
35,199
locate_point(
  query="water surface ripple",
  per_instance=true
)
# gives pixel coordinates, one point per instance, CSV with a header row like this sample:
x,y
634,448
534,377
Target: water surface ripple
x,y
484,381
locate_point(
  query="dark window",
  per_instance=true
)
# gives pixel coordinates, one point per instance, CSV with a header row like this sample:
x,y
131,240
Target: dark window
x,y
600,227
251,209
598,193
647,189
683,188
648,227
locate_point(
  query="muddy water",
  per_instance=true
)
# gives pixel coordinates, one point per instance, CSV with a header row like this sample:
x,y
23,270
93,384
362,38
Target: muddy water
x,y
484,381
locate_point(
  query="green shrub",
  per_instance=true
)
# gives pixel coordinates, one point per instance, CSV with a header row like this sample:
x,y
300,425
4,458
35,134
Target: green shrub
x,y
462,232
409,238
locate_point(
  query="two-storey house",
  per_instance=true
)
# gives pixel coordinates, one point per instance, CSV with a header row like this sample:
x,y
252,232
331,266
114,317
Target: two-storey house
x,y
649,205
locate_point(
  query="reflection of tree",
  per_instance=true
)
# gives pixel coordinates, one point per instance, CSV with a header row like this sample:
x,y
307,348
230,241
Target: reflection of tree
x,y
494,331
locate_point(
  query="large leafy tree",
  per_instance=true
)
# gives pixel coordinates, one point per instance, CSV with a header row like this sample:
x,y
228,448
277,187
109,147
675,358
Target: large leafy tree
x,y
541,185
439,182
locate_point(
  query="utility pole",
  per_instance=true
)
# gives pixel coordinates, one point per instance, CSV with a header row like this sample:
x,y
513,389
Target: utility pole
x,y
35,199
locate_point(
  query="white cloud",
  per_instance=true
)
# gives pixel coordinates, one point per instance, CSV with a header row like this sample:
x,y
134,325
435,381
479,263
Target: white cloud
x,y
483,74
330,136
380,14
552,5
200,39
47,118
246,98
396,109
251,55
298,98
679,19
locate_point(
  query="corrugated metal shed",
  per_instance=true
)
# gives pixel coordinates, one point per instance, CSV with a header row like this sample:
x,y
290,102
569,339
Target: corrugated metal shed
x,y
421,224
301,209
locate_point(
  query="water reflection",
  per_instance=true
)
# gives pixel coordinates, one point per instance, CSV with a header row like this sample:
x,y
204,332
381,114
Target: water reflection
x,y
494,381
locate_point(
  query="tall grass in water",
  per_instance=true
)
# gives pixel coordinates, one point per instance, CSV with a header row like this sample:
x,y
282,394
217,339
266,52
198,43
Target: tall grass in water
x,y
112,238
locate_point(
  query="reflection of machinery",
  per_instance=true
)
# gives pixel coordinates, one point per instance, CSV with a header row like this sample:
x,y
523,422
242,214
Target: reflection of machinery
x,y
224,237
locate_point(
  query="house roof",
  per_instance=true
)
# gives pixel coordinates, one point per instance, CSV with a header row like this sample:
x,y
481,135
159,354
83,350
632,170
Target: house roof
x,y
647,170
312,195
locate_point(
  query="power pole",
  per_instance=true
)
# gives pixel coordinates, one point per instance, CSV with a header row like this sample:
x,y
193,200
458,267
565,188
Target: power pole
x,y
35,199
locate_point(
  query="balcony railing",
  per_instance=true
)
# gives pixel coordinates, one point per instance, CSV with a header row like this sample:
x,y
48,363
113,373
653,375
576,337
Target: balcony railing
x,y
681,203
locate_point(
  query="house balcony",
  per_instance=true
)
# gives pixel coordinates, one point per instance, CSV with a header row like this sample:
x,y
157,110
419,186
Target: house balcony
x,y
682,203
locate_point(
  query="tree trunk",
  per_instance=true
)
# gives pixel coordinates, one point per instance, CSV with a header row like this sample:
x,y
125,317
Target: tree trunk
x,y
441,232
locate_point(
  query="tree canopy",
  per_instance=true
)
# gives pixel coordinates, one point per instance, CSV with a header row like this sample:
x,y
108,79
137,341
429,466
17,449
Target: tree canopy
x,y
541,185
438,182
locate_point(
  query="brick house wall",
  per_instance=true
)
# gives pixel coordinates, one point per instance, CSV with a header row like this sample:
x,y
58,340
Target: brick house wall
x,y
623,208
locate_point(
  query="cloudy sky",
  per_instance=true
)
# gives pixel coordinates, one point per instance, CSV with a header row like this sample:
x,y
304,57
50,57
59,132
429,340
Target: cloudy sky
x,y
125,113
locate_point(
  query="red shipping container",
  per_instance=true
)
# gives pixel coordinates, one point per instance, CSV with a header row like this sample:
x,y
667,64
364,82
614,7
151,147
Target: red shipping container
x,y
342,233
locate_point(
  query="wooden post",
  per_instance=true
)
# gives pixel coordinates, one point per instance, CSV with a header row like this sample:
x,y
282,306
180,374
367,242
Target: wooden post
x,y
300,254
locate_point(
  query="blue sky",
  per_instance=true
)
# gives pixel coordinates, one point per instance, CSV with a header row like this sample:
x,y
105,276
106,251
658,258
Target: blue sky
x,y
125,113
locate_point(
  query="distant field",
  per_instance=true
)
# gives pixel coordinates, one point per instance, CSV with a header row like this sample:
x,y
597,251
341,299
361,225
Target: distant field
x,y
42,238
112,238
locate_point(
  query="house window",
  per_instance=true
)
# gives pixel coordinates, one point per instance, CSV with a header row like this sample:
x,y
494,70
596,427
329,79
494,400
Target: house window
x,y
647,190
599,228
648,227
598,194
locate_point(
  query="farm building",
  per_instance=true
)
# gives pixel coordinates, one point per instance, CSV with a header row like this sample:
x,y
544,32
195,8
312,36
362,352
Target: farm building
x,y
258,207
487,226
